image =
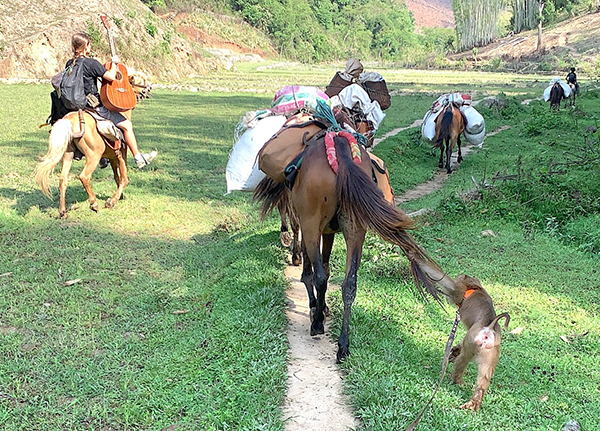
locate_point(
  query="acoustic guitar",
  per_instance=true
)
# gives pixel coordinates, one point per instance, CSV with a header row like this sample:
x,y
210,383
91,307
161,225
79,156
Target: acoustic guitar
x,y
118,95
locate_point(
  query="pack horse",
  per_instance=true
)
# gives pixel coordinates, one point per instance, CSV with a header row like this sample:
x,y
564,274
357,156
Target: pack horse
x,y
334,191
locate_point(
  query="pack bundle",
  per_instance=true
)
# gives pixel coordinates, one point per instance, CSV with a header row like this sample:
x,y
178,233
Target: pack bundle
x,y
242,172
562,83
375,86
475,123
294,97
372,82
356,97
343,79
245,169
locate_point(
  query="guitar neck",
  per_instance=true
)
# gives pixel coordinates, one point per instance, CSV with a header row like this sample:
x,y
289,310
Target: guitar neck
x,y
111,42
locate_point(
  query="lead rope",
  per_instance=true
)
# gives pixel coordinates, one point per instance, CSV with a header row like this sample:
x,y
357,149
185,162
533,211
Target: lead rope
x,y
414,424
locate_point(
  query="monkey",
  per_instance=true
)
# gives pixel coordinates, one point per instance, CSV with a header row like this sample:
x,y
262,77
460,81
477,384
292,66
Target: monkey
x,y
482,341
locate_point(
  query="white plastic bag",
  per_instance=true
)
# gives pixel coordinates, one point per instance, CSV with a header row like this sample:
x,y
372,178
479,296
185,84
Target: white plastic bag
x,y
475,121
242,171
428,126
475,138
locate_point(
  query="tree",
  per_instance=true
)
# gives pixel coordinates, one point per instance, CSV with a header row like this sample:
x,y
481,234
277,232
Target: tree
x,y
476,21
540,45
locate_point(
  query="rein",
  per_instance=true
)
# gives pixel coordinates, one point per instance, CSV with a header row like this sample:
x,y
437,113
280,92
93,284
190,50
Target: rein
x,y
414,424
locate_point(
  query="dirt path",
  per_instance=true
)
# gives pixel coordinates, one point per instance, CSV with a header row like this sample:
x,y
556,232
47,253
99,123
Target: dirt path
x,y
440,177
315,399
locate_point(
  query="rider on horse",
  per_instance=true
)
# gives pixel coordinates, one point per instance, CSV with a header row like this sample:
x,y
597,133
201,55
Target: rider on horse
x,y
572,79
93,70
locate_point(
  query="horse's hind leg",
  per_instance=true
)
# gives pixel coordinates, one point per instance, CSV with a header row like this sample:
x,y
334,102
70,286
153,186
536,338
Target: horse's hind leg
x,y
448,155
441,161
296,247
460,158
119,167
327,246
63,180
307,279
91,161
284,234
311,244
355,238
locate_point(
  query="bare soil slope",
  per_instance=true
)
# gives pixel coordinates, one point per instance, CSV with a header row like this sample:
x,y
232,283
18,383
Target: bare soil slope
x,y
577,39
432,13
35,38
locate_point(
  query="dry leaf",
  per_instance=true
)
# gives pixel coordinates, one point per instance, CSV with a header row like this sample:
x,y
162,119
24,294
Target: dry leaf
x,y
181,311
6,274
72,282
565,339
517,331
488,232
544,398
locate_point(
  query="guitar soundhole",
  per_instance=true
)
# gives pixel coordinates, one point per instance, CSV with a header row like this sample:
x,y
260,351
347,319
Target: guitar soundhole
x,y
119,75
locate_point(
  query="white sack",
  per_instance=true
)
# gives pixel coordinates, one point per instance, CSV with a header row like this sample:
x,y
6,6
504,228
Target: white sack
x,y
562,83
475,121
475,138
428,125
353,94
242,171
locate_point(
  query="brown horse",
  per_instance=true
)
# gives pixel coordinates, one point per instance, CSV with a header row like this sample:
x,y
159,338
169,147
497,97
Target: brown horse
x,y
448,127
63,142
349,202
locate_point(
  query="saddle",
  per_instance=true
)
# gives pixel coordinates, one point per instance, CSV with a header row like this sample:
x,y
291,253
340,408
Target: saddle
x,y
107,129
110,133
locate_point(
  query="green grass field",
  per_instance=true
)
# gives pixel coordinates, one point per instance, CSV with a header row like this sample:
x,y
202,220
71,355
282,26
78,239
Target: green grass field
x,y
168,310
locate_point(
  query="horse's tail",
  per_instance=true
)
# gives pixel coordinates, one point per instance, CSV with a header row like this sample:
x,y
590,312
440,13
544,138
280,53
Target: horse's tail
x,y
556,94
362,203
269,193
60,136
445,128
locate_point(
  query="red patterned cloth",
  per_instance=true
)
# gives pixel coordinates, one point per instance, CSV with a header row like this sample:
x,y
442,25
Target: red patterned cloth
x,y
330,148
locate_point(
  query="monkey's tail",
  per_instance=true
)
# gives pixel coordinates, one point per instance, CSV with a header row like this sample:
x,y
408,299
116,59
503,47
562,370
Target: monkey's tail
x,y
505,316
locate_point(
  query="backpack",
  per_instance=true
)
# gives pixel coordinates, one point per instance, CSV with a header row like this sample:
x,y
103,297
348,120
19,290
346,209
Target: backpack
x,y
72,91
57,109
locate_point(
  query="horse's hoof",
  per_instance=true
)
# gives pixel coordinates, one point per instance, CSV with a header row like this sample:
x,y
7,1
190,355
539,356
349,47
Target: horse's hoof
x,y
296,260
110,203
317,328
341,355
286,239
94,207
459,160
63,215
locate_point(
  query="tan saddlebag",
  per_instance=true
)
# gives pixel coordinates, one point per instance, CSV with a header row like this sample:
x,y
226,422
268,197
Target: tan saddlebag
x,y
286,144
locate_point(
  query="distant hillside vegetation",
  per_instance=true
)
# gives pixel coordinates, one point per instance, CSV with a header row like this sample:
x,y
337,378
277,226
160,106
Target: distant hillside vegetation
x,y
35,38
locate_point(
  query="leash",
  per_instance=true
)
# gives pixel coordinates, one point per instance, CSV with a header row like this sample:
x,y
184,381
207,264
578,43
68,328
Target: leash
x,y
414,424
